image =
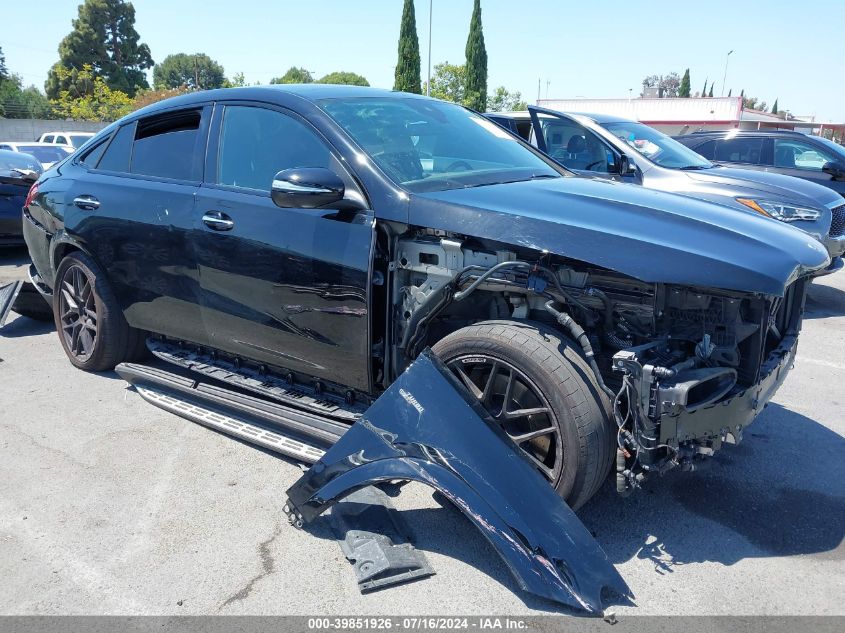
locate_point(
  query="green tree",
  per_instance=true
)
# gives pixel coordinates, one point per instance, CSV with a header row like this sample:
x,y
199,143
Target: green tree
x,y
407,77
504,101
476,63
105,39
294,75
775,107
235,81
730,90
4,72
197,72
710,94
343,77
684,89
98,102
17,102
448,82
704,90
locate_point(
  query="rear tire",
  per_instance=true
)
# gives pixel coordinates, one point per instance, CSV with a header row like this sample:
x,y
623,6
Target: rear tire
x,y
90,323
577,418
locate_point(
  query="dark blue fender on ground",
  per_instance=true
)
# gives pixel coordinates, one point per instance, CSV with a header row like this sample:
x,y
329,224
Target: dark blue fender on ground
x,y
427,428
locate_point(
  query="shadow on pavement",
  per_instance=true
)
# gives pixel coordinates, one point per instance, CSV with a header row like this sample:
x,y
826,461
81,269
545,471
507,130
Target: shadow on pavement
x,y
24,326
824,301
779,493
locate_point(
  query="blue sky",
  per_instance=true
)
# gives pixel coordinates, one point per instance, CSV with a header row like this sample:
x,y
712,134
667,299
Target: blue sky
x,y
786,50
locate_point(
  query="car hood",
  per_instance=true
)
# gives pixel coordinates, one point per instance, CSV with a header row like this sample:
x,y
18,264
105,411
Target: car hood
x,y
762,184
650,235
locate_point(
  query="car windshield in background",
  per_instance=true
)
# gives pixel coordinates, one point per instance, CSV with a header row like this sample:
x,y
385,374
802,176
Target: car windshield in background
x,y
656,146
45,153
433,146
835,147
16,160
78,140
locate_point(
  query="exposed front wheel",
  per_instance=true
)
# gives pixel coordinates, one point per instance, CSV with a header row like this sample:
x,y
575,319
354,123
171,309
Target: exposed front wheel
x,y
539,389
89,321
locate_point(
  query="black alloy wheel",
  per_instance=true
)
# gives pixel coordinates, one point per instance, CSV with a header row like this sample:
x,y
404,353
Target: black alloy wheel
x,y
517,405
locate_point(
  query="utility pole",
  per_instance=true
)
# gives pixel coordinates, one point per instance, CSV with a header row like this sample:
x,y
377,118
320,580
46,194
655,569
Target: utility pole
x,y
538,91
428,83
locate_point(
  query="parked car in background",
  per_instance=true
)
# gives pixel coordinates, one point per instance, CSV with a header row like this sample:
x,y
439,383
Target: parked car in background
x,y
74,139
323,236
47,154
780,151
611,147
17,173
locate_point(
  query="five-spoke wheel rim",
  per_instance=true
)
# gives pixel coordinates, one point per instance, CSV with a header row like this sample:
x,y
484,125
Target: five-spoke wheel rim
x,y
517,405
78,313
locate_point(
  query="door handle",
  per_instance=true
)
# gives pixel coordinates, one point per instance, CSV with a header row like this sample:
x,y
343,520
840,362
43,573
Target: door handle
x,y
86,203
218,221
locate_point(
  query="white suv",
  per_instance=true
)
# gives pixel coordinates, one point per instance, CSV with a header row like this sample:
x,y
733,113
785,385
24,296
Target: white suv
x,y
74,139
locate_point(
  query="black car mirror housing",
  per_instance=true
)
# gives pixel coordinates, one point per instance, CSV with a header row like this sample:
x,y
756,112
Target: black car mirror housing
x,y
306,188
835,169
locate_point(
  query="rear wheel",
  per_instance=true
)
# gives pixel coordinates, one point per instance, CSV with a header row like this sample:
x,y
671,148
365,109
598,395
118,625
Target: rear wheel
x,y
89,321
540,390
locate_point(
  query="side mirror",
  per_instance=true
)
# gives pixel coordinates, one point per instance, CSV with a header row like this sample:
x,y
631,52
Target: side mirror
x,y
626,166
835,169
29,175
306,188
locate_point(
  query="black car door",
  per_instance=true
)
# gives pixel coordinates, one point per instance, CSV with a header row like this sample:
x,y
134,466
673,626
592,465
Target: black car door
x,y
133,212
285,287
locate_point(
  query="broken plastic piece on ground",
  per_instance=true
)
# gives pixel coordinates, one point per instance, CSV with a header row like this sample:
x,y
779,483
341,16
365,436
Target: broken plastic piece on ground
x,y
8,294
374,537
427,428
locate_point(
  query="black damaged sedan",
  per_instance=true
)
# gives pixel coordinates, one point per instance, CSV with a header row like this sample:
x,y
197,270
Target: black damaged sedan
x,y
307,243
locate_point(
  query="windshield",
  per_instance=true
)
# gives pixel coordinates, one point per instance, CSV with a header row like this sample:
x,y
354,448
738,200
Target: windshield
x,y
17,160
836,147
77,140
427,145
656,146
45,153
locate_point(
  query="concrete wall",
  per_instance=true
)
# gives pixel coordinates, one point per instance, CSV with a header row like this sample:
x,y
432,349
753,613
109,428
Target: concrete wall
x,y
32,129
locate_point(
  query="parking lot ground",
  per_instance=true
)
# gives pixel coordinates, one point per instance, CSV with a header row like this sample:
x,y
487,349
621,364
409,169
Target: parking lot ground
x,y
111,506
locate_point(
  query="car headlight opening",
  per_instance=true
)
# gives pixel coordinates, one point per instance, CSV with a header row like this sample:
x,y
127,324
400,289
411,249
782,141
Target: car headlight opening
x,y
782,211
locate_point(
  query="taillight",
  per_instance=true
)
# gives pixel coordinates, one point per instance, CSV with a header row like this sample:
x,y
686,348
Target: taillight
x,y
33,191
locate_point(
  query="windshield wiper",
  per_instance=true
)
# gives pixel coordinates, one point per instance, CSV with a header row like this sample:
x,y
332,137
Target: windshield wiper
x,y
694,167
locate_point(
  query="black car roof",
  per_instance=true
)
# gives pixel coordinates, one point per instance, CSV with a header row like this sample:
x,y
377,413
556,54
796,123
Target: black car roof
x,y
275,93
700,133
598,118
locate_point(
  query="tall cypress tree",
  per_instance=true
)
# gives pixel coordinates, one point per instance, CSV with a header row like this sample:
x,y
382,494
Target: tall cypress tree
x,y
704,90
476,66
684,89
710,94
407,77
775,107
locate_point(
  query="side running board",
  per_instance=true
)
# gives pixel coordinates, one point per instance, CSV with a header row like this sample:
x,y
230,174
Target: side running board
x,y
243,376
291,432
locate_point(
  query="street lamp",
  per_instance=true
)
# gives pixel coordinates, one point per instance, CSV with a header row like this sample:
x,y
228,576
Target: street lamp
x,y
725,76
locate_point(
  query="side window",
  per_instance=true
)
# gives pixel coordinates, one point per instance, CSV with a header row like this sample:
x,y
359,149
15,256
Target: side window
x,y
93,155
741,149
706,149
61,140
576,147
799,155
166,145
118,152
49,139
256,143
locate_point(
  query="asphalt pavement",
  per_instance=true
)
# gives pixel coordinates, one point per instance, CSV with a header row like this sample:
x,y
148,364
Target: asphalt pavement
x,y
111,506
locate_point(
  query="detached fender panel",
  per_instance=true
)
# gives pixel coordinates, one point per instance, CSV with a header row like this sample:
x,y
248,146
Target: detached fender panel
x,y
426,428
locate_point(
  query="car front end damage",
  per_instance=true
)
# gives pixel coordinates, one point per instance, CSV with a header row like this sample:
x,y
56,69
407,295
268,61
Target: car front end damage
x,y
427,428
671,410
